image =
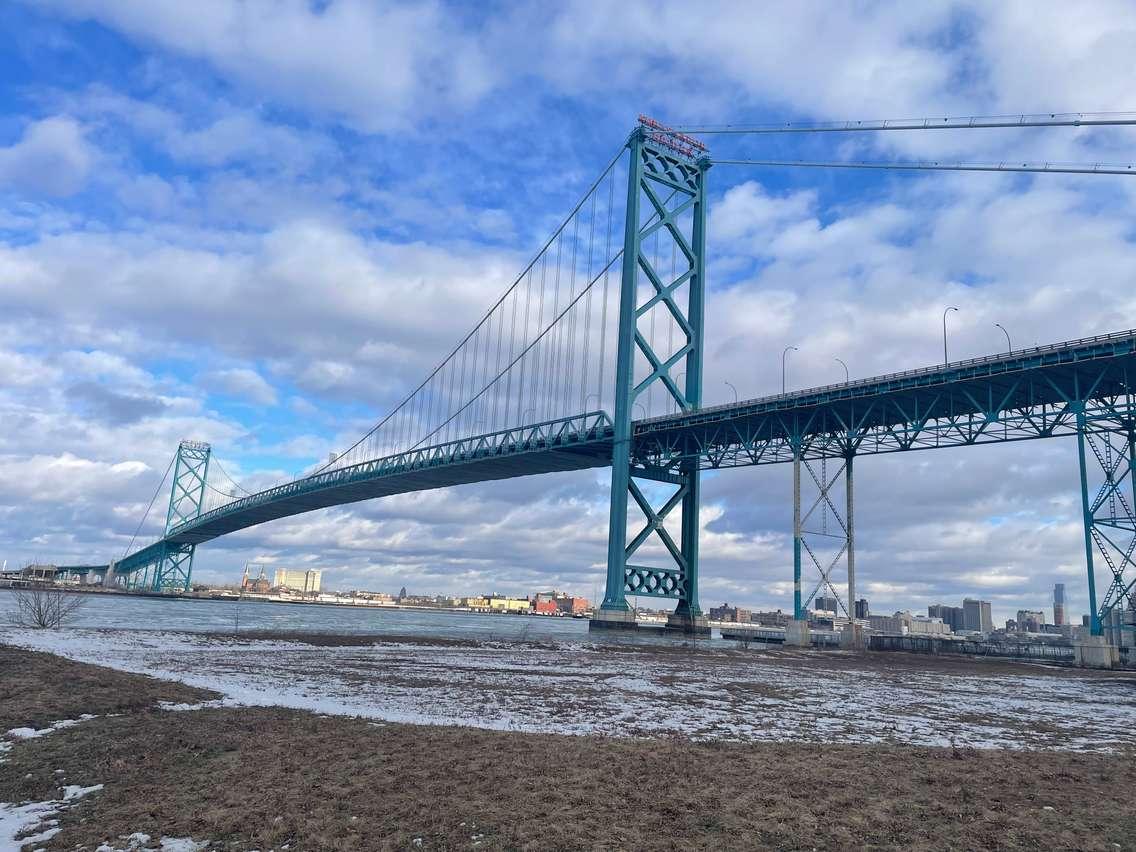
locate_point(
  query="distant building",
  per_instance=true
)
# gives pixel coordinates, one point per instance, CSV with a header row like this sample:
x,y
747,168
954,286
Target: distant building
x,y
1030,620
297,580
953,616
770,619
734,614
824,603
905,624
1059,604
501,603
38,573
862,608
564,602
976,616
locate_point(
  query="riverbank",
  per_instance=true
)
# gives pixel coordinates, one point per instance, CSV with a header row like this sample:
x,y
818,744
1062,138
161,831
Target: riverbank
x,y
260,778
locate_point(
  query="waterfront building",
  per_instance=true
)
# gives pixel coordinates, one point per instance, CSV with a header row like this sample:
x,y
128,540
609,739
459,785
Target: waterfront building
x,y
1059,604
501,603
298,580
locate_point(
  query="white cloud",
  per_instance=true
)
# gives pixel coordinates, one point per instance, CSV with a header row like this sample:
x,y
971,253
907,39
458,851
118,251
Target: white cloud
x,y
52,158
372,63
241,382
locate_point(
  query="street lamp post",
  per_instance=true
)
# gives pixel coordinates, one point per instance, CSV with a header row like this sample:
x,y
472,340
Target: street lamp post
x,y
1009,345
735,390
784,357
946,360
845,366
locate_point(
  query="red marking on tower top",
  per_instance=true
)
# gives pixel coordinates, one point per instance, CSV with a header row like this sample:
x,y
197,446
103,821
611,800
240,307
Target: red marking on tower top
x,y
679,142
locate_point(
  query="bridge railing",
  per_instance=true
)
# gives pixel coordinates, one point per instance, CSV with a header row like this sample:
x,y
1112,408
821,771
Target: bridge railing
x,y
1002,358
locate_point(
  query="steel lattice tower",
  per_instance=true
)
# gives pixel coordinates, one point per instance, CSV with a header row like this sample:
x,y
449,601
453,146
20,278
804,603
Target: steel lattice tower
x,y
666,198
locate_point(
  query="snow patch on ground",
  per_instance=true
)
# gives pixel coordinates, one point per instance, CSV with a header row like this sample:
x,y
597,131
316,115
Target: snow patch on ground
x,y
32,733
38,816
140,842
637,692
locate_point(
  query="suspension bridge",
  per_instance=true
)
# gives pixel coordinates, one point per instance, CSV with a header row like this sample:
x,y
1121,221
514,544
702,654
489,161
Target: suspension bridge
x,y
593,357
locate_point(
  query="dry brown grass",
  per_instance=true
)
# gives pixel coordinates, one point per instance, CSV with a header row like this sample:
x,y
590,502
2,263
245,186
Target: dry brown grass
x,y
262,778
37,689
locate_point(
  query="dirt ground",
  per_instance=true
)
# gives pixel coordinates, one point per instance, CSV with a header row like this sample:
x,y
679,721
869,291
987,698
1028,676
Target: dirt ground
x,y
266,778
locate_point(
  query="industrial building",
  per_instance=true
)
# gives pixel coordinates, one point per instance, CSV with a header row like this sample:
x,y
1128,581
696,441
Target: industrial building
x,y
298,580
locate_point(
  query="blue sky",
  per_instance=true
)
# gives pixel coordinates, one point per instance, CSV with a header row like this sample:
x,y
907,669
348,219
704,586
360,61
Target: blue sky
x,y
259,224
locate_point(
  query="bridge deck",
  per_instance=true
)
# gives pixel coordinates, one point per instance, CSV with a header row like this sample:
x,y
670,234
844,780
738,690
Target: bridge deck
x,y
1026,394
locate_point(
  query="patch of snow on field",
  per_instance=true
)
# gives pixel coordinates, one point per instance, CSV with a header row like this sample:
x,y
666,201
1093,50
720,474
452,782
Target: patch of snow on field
x,y
140,842
18,819
638,691
32,733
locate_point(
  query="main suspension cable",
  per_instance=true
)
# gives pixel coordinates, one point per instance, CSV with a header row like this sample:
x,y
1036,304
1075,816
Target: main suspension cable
x,y
933,165
1053,119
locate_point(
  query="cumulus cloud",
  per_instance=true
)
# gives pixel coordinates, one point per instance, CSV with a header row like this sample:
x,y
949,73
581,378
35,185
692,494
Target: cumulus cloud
x,y
51,158
372,63
243,383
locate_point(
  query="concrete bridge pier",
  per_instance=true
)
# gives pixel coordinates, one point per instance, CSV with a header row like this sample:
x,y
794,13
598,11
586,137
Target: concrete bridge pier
x,y
1095,652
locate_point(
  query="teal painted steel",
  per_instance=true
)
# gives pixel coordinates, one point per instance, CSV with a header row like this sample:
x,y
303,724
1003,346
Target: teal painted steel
x,y
614,597
572,443
167,565
665,199
1109,519
1087,520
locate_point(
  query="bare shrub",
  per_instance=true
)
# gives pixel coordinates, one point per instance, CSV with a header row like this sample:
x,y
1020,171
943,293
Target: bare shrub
x,y
44,608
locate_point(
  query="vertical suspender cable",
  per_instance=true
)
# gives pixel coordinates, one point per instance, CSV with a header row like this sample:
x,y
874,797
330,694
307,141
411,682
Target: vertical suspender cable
x,y
603,315
585,378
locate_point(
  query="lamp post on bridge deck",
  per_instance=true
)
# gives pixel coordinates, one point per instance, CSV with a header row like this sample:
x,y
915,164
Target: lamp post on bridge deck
x,y
1009,345
784,357
946,360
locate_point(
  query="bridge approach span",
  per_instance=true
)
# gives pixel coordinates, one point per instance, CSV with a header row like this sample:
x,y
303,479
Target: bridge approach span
x,y
1033,393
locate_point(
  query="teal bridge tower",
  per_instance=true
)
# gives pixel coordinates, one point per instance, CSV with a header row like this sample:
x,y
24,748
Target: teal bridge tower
x,y
593,358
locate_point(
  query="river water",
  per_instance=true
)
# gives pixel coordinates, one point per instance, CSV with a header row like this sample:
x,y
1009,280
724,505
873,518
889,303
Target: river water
x,y
227,616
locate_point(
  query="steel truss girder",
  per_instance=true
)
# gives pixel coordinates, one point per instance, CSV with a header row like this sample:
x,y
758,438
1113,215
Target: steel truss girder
x,y
1040,404
670,189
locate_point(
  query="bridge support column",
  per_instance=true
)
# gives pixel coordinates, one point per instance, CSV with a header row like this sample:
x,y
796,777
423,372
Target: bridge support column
x,y
666,206
822,531
849,515
1107,436
798,608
